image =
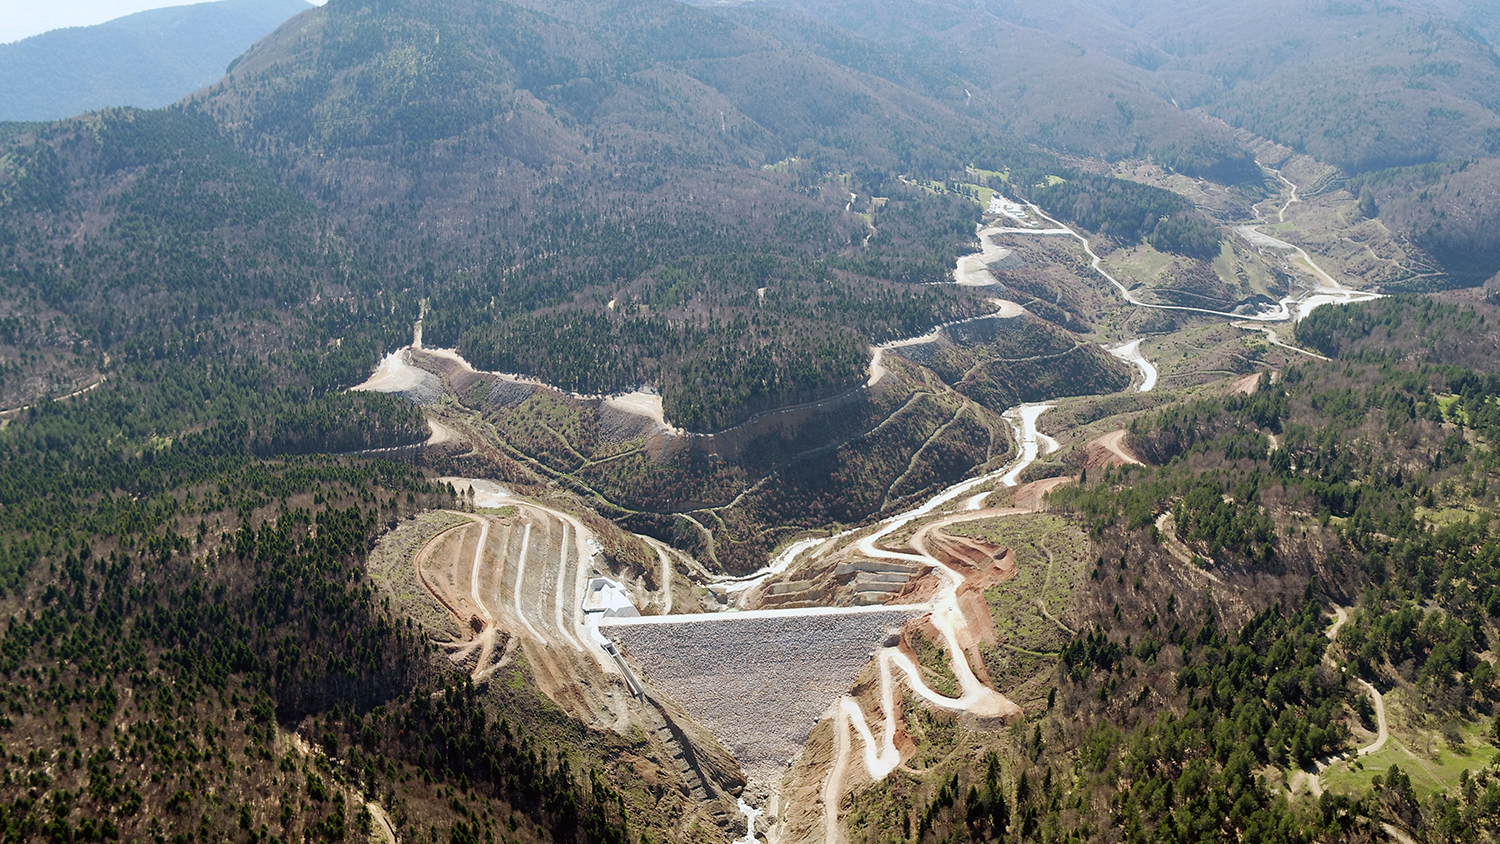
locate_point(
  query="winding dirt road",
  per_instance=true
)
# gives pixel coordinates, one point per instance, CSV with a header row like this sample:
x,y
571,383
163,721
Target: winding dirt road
x,y
975,698
498,593
75,394
1329,289
1004,309
1289,309
1314,779
1274,339
879,754
1383,733
1384,728
1033,443
973,270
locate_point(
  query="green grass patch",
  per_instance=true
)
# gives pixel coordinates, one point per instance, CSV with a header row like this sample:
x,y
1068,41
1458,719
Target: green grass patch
x,y
1142,263
1431,773
977,193
1445,516
1026,640
1452,412
937,666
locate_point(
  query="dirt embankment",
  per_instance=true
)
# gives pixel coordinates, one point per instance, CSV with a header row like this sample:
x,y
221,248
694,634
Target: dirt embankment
x,y
1110,450
1029,497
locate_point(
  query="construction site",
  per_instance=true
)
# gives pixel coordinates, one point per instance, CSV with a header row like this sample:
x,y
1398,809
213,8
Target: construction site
x,y
728,682
752,704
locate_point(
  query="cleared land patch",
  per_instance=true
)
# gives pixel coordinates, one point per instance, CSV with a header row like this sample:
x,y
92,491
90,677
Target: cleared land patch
x,y
1030,610
1435,759
390,566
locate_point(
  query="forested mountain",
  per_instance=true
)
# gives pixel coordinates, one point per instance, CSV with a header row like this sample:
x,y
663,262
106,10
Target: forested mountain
x,y
741,208
1481,16
628,176
559,164
149,59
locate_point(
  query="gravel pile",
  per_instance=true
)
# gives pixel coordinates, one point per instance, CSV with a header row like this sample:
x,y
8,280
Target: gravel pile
x,y
507,393
425,389
759,684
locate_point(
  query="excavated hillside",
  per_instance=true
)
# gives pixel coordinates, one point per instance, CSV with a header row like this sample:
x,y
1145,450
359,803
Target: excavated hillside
x,y
503,592
728,498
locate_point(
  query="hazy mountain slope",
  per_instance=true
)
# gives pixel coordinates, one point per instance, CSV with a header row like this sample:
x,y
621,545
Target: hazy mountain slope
x,y
728,205
1363,87
1360,85
1449,208
1045,73
147,60
1482,16
654,83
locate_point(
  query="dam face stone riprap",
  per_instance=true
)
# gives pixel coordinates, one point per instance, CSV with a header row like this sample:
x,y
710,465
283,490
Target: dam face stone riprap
x,y
759,684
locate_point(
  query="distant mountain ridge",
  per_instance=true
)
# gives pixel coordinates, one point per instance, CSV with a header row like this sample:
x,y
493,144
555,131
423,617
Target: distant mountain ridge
x,y
148,59
1417,82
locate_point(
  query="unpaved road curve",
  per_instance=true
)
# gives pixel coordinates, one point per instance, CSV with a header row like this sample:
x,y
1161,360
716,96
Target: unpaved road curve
x,y
1383,728
1097,265
973,270
383,826
1281,214
1275,339
1004,309
75,394
1114,443
562,609
1383,733
1033,443
1289,309
1340,617
1314,779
